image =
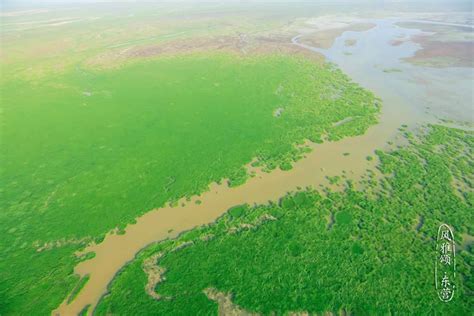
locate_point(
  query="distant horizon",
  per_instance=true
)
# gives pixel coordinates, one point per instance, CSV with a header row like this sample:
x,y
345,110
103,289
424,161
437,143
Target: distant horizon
x,y
21,4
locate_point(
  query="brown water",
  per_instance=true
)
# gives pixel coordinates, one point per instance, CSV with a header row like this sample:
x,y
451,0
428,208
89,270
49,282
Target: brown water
x,y
167,222
326,159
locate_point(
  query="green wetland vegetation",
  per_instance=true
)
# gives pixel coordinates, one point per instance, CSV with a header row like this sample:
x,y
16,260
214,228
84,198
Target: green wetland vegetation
x,y
84,151
105,114
364,252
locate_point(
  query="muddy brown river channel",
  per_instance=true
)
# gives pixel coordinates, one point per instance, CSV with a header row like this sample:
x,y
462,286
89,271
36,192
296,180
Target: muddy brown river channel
x,y
327,159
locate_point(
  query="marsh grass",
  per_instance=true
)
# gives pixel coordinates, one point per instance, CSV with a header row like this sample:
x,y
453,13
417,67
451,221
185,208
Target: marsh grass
x,y
372,260
76,165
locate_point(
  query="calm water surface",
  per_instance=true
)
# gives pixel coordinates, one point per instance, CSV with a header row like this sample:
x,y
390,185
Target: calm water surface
x,y
430,93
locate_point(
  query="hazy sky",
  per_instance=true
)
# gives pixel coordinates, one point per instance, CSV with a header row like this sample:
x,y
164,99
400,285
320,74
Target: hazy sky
x,y
24,4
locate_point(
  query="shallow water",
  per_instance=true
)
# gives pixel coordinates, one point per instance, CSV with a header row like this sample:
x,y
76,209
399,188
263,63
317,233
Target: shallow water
x,y
432,93
443,23
406,96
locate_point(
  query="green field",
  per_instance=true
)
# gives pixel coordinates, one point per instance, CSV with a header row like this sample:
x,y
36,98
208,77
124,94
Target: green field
x,y
365,253
84,152
111,109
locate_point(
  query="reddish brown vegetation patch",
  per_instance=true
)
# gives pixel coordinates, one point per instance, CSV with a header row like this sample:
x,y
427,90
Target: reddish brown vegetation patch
x,y
397,42
443,54
240,45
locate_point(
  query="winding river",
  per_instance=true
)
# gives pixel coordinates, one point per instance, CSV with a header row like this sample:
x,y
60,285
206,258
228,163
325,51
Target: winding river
x,y
411,95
